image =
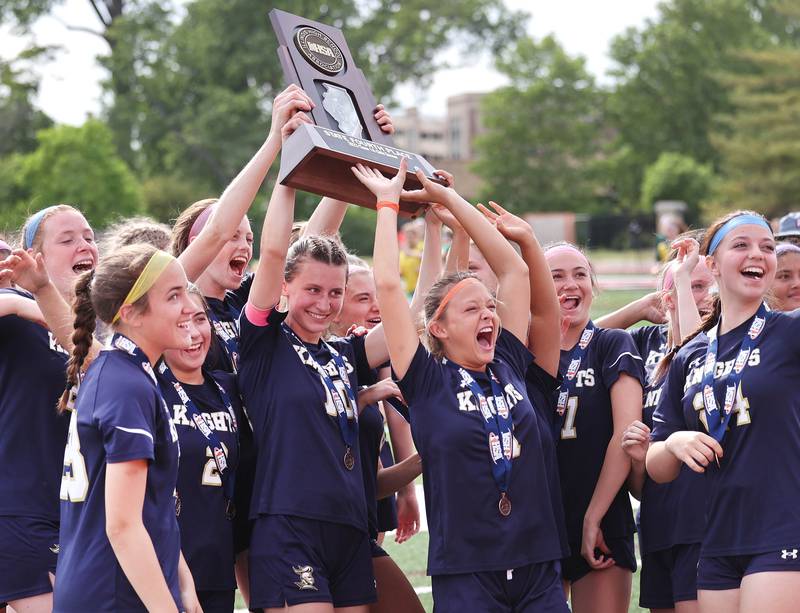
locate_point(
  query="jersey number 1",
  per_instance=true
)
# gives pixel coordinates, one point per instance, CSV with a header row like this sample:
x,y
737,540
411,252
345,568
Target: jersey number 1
x,y
568,429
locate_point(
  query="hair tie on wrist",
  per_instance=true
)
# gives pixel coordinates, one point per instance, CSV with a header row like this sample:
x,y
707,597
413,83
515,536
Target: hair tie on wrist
x,y
383,204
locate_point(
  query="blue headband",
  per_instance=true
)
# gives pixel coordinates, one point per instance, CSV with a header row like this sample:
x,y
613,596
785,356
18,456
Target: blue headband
x,y
732,224
33,227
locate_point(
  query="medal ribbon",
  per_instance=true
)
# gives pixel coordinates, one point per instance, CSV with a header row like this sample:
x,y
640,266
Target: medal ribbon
x,y
348,428
499,425
718,419
217,450
230,345
570,380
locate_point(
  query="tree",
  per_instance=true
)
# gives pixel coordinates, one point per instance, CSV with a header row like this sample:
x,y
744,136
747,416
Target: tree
x,y
760,139
78,166
677,177
19,118
541,131
667,93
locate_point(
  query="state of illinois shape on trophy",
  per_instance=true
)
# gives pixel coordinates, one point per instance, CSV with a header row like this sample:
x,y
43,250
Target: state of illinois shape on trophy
x,y
317,158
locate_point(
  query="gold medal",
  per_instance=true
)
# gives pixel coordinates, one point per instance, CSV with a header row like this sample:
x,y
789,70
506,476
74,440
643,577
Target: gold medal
x,y
504,505
349,459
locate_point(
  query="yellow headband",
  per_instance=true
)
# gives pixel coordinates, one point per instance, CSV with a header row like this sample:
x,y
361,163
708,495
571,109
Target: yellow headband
x,y
452,292
156,265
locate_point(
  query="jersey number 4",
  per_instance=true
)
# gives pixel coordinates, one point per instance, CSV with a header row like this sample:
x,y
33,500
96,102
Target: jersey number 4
x,y
74,479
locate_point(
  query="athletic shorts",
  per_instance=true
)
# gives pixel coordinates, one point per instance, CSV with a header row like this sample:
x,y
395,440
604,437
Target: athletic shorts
x,y
377,550
576,567
216,601
294,560
726,572
533,588
28,552
669,576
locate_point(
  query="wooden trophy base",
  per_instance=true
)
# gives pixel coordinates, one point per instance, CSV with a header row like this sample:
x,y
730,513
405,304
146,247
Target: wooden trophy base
x,y
318,160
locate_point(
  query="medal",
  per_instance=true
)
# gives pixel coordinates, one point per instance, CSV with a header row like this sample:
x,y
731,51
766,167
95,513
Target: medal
x,y
349,459
504,505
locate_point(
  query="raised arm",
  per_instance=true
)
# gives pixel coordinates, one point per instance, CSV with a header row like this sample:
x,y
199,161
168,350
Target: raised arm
x,y
513,291
398,326
239,195
430,267
646,308
689,318
544,334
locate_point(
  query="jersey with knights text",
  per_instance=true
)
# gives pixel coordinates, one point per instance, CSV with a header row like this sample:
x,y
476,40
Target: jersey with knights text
x,y
468,530
670,513
302,464
119,416
32,377
225,326
747,512
586,429
206,532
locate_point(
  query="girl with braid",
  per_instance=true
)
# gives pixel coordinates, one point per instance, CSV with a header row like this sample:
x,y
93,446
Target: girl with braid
x,y
120,542
728,410
32,365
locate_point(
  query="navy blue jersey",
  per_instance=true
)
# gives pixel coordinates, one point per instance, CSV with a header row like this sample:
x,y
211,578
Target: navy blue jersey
x,y
300,469
467,532
226,328
747,512
119,416
587,429
670,513
206,533
542,390
32,378
370,439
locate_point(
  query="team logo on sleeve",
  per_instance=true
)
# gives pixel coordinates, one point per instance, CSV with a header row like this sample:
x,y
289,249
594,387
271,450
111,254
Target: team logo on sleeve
x,y
787,554
306,575
585,338
574,365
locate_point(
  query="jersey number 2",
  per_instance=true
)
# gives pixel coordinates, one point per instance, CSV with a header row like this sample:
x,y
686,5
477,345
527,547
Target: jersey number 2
x,y
210,473
74,479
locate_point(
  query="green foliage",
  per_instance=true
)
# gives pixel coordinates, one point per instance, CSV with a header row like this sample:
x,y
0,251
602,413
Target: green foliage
x,y
760,144
19,118
677,177
78,166
541,131
166,196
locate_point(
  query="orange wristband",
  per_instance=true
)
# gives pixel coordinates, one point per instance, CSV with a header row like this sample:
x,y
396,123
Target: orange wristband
x,y
382,204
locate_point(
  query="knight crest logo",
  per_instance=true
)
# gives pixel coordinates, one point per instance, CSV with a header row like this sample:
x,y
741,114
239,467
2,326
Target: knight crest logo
x,y
306,574
585,338
573,368
756,327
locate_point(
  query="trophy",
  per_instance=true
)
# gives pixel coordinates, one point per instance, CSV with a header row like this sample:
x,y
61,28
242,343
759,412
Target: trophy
x,y
317,158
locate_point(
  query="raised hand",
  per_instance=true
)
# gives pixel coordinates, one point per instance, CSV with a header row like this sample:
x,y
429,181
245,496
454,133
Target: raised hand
x,y
440,212
25,270
653,308
384,119
295,122
688,255
636,440
430,192
290,102
512,227
383,187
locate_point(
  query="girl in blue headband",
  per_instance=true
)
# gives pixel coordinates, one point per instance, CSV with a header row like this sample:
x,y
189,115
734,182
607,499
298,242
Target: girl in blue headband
x,y
728,409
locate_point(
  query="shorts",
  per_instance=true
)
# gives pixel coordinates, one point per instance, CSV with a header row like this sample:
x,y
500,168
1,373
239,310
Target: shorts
x,y
294,560
726,572
530,589
377,550
216,601
576,567
669,576
28,553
